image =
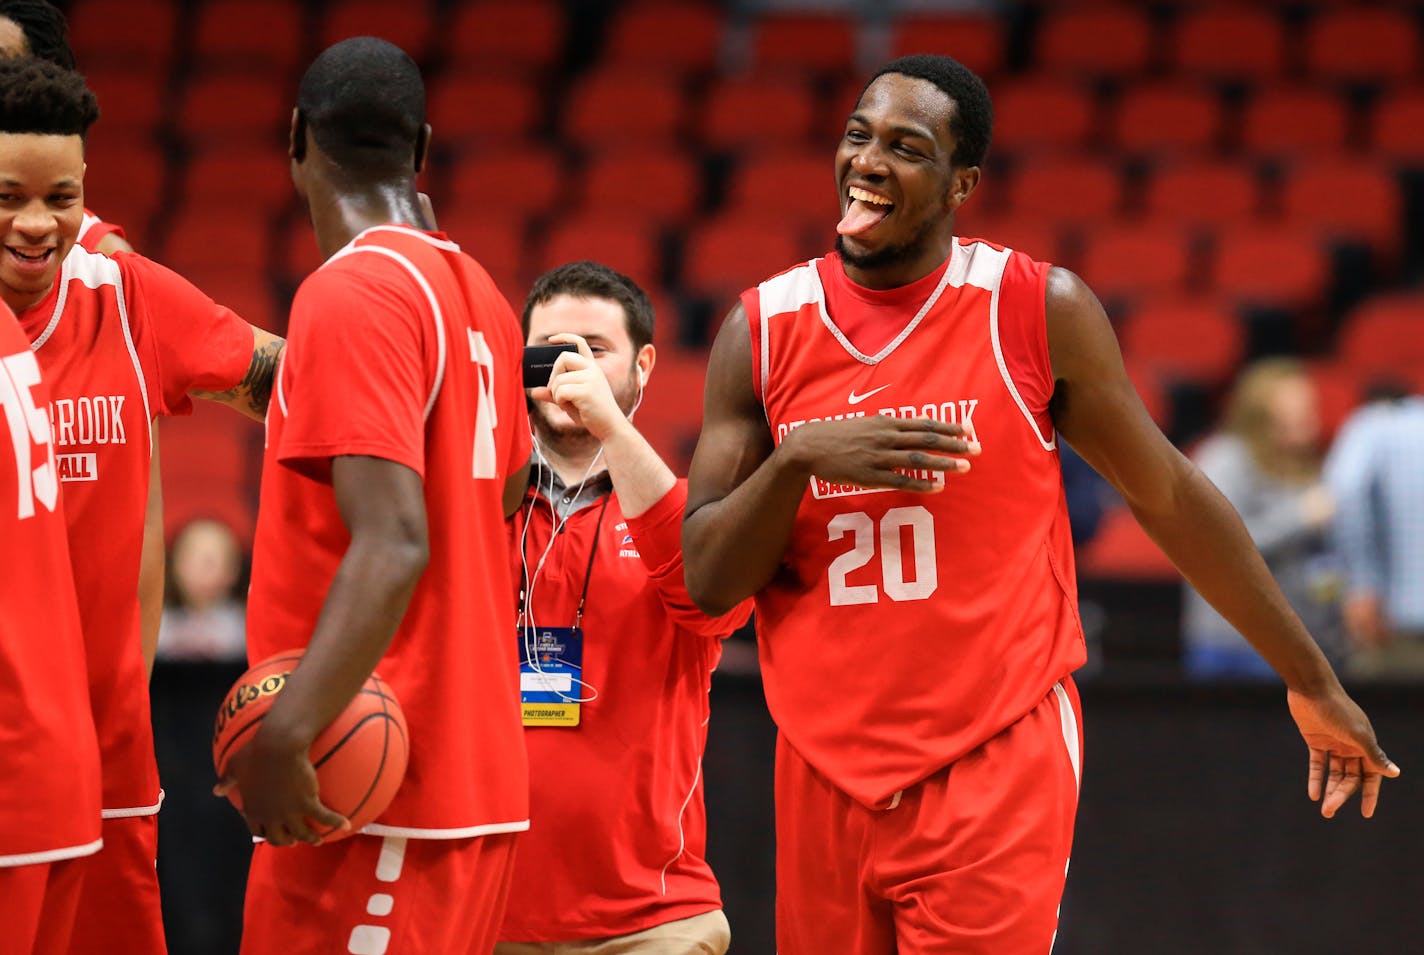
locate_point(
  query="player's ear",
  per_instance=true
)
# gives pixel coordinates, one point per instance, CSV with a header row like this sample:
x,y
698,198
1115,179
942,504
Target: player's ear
x,y
297,145
422,147
962,183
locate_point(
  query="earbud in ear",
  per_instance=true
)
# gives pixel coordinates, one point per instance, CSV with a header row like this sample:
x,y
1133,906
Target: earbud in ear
x,y
642,377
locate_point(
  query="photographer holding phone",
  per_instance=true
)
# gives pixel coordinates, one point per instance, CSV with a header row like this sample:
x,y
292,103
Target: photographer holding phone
x,y
615,661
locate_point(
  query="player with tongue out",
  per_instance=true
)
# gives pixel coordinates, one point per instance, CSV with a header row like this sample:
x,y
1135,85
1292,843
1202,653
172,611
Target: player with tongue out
x,y
917,618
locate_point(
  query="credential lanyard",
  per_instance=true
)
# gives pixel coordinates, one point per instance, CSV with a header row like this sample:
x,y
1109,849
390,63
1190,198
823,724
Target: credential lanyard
x,y
588,571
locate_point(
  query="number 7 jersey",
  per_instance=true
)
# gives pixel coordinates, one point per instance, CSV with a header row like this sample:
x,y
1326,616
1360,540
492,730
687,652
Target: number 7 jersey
x,y
904,630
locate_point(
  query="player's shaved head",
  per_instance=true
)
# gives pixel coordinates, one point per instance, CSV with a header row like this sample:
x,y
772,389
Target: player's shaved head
x,y
363,102
38,97
42,28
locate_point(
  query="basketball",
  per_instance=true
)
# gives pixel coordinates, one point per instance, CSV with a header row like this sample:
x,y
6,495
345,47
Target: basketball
x,y
360,758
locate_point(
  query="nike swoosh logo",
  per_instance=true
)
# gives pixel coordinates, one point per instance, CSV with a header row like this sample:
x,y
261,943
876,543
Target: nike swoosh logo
x,y
856,399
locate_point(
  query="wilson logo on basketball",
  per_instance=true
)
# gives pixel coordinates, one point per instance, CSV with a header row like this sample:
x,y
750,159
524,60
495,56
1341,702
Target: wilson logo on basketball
x,y
244,695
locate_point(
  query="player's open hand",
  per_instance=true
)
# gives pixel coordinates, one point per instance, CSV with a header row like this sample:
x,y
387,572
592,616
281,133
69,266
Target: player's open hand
x,y
1344,756
908,454
278,791
579,387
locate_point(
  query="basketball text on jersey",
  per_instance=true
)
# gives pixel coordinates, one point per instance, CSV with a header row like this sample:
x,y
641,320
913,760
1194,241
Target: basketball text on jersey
x,y
85,421
958,411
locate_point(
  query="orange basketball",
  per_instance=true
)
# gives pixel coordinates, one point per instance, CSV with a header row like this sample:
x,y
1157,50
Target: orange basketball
x,y
360,758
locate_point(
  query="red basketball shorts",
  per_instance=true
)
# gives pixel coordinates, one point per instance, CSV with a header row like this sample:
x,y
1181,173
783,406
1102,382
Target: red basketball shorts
x,y
38,904
970,861
378,895
120,896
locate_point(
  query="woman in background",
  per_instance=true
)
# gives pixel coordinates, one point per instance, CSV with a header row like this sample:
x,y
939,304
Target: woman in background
x,y
1267,461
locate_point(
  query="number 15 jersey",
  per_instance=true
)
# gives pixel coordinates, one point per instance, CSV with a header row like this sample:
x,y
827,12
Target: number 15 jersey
x,y
907,629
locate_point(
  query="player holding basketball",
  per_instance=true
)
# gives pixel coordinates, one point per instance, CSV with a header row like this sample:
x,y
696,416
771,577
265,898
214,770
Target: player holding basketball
x,y
616,855
918,606
49,762
397,445
120,340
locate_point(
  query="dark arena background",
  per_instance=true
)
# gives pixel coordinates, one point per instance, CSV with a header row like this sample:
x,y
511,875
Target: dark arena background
x,y
1236,181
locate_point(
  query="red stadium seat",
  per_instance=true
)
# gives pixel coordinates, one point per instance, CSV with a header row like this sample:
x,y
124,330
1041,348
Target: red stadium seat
x,y
244,290
229,108
1270,265
1294,120
197,241
641,184
634,250
1135,260
130,103
822,44
410,24
1029,234
1347,198
300,255
1121,550
739,115
248,34
483,108
209,463
678,38
139,35
1397,126
1203,192
237,179
1338,392
624,107
1111,41
1228,42
1167,118
1362,44
125,180
1079,189
1185,340
671,412
496,243
496,35
522,182
798,186
723,257
1384,337
976,40
1038,112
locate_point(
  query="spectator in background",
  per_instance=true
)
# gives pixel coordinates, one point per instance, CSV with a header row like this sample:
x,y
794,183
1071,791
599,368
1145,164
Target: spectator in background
x,y
205,616
1376,472
1267,461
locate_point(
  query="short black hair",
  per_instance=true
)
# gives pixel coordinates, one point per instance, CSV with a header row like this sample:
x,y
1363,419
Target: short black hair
x,y
972,122
364,102
46,33
596,280
38,97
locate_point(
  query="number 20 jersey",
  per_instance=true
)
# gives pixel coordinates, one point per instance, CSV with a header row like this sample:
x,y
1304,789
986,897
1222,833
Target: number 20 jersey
x,y
905,629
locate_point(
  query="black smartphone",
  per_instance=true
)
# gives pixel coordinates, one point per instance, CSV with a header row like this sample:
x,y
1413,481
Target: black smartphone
x,y
539,363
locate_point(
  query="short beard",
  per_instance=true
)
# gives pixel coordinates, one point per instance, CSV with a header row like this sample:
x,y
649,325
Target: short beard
x,y
568,438
891,254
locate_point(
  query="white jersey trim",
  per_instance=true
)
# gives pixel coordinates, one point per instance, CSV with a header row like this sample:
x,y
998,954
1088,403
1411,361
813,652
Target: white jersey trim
x,y
52,855
1069,721
413,233
134,811
1050,443
468,832
138,369
415,273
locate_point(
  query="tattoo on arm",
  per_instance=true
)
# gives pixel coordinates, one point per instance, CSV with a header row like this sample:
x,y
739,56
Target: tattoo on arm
x,y
256,385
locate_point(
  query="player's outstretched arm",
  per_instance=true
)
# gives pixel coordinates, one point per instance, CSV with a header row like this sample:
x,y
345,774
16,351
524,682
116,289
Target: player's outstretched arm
x,y
383,506
253,393
743,494
1096,408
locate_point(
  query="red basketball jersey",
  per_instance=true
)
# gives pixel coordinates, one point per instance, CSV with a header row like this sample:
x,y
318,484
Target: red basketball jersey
x,y
907,629
402,348
49,758
93,230
122,340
